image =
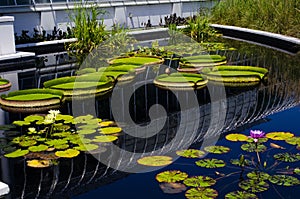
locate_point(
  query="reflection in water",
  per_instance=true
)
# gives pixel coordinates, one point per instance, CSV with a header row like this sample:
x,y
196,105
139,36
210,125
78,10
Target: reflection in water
x,y
244,107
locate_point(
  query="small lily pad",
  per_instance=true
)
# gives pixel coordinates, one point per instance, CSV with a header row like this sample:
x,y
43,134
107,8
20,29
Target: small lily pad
x,y
287,157
235,137
201,193
21,123
171,176
110,130
61,146
17,153
217,149
259,140
90,126
258,175
210,163
27,143
69,153
155,161
191,153
284,180
86,131
279,135
254,185
86,147
199,181
33,118
105,138
56,142
38,163
172,187
38,148
240,195
237,162
293,140
297,171
252,147
107,123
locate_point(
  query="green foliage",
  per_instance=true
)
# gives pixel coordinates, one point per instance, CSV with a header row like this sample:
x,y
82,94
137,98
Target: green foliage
x,y
33,94
253,147
287,157
199,181
190,153
240,195
258,175
201,193
279,135
17,153
234,137
155,161
210,163
284,180
217,149
171,176
254,185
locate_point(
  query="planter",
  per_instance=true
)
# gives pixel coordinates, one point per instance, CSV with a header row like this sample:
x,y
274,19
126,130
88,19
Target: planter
x,y
31,100
4,85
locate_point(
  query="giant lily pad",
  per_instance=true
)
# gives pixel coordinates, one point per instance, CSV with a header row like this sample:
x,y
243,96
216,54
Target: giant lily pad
x,y
201,193
284,180
17,153
105,138
199,181
171,176
38,163
155,161
110,130
210,163
252,147
235,137
240,195
287,157
279,135
258,175
254,185
172,187
38,148
217,149
69,153
191,153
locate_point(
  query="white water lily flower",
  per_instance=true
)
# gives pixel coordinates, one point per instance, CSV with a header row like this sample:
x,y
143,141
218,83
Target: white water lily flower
x,y
31,129
54,112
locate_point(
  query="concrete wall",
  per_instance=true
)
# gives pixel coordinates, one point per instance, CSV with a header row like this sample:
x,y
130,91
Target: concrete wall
x,y
132,14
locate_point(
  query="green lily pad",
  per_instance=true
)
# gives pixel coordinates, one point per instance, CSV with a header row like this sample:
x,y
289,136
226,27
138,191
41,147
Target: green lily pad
x,y
217,149
191,153
297,171
201,193
80,141
110,130
171,176
61,134
258,175
66,118
237,162
61,146
252,147
17,153
38,148
240,195
107,123
287,157
27,143
279,135
172,187
33,118
254,185
21,123
86,147
69,153
56,142
83,119
293,140
199,181
210,163
86,131
235,137
155,161
38,163
105,138
90,126
284,180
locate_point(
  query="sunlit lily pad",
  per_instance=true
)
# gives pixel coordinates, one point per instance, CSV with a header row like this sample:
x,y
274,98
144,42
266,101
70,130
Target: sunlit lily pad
x,y
38,148
191,153
259,140
258,175
107,123
171,176
86,147
201,193
21,123
17,153
61,146
69,153
235,137
284,180
33,118
27,143
86,131
217,149
172,187
199,181
56,142
38,163
110,130
83,119
293,140
105,138
251,147
287,157
279,135
240,195
90,126
254,185
155,161
210,163
66,118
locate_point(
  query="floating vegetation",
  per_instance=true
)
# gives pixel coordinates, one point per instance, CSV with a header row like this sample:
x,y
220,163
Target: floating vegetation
x,y
253,147
171,176
69,153
293,140
254,185
287,157
210,163
190,153
155,161
110,130
240,195
217,149
172,187
199,181
17,153
284,180
279,135
105,138
258,175
201,193
38,163
235,137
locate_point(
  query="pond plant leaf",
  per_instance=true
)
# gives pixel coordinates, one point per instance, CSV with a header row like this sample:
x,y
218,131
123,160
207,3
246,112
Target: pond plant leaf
x,y
86,147
89,126
236,137
56,142
297,171
83,118
17,153
279,135
107,123
293,140
172,187
240,195
254,185
258,175
86,131
105,138
38,163
33,118
110,130
199,181
287,157
259,140
237,162
210,163
38,148
252,147
21,123
201,193
191,153
155,161
61,146
217,149
284,180
171,176
69,153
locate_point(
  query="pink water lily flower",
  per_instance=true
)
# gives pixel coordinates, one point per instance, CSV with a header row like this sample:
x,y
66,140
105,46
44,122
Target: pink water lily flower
x,y
256,134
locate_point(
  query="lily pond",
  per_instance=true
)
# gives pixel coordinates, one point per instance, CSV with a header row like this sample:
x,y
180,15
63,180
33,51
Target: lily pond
x,y
243,145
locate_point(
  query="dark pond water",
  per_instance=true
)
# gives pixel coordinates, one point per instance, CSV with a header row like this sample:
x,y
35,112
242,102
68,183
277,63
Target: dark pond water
x,y
270,107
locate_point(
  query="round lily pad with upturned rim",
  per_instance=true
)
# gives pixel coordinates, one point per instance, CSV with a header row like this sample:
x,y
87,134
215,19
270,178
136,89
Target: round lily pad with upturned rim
x,y
199,181
136,60
201,193
217,149
155,161
210,163
171,176
235,137
284,180
4,85
240,195
254,185
191,153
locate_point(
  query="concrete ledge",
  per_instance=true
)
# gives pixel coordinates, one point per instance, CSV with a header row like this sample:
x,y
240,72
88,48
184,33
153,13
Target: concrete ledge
x,y
286,43
17,55
4,189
